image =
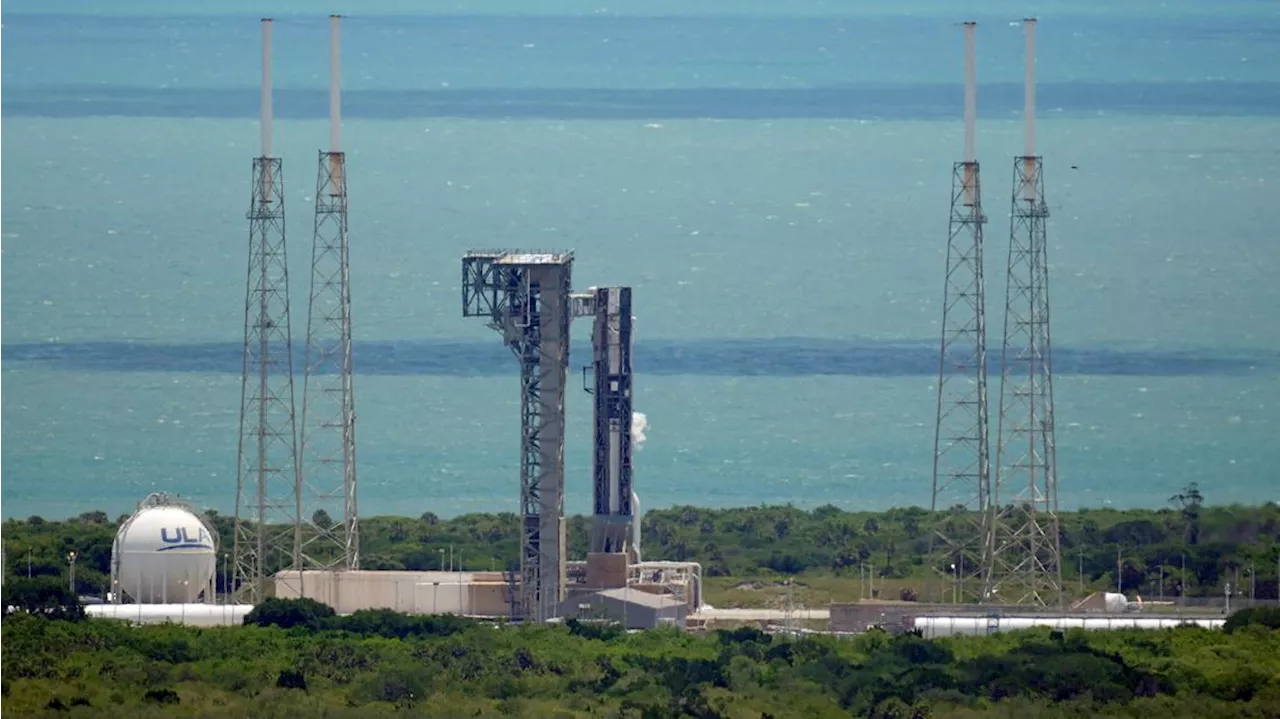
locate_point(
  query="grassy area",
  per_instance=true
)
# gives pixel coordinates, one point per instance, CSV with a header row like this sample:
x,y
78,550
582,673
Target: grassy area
x,y
821,589
808,589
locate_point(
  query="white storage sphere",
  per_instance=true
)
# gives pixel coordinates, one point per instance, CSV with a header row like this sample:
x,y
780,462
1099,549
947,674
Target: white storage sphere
x,y
164,555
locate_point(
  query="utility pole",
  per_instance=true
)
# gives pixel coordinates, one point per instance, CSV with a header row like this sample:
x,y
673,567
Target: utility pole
x,y
788,614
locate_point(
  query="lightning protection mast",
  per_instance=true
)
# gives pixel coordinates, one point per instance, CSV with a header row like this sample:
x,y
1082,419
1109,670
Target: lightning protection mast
x,y
961,455
267,533
1027,559
330,523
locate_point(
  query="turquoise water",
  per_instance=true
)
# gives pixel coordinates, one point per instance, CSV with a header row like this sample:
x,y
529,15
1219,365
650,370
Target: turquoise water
x,y
773,186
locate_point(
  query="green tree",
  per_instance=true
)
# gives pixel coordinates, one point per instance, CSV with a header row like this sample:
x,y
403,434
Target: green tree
x,y
1190,500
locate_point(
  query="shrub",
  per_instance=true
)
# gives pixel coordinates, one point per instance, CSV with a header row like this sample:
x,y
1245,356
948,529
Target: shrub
x,y
289,613
1268,617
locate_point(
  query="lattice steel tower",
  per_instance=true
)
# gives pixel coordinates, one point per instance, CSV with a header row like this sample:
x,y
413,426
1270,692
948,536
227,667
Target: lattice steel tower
x,y
1027,558
525,296
961,455
330,523
267,530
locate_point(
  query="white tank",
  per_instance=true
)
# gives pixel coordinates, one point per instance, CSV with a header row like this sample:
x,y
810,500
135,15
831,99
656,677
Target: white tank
x,y
164,554
635,523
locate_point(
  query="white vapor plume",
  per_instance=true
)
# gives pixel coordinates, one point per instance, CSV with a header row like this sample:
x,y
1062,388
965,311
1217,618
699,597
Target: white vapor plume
x,y
639,423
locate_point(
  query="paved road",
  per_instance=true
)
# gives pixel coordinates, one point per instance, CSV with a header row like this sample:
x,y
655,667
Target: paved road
x,y
756,615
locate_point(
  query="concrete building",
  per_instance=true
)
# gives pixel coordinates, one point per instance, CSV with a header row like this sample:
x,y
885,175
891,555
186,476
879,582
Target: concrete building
x,y
493,594
485,594
632,608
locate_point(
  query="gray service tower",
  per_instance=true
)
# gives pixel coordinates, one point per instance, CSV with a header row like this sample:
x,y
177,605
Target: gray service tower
x,y
526,298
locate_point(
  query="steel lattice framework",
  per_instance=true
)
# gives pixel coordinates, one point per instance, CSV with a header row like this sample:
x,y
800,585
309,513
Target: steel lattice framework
x,y
267,534
1027,558
961,454
525,296
330,531
959,538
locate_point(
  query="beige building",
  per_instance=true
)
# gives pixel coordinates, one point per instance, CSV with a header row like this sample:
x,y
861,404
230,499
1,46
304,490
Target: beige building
x,y
491,594
470,593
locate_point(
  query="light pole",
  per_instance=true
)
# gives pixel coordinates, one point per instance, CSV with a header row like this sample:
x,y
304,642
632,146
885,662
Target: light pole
x,y
1080,572
1182,592
1119,571
442,559
71,560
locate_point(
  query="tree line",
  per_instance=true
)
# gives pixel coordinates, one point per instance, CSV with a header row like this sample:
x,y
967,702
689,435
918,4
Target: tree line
x,y
296,658
1184,549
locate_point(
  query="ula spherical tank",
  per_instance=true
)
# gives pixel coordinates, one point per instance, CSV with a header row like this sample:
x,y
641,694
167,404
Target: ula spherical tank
x,y
164,554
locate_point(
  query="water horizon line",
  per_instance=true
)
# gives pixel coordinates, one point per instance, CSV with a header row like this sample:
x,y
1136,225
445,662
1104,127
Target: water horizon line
x,y
755,357
882,101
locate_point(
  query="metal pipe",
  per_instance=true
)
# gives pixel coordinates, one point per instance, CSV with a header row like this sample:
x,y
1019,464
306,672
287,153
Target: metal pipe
x,y
970,91
1030,109
335,93
265,123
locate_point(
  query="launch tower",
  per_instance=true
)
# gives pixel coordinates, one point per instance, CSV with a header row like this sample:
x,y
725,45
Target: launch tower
x,y
525,296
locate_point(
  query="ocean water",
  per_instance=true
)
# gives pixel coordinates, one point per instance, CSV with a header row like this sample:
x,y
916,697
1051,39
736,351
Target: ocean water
x,y
772,182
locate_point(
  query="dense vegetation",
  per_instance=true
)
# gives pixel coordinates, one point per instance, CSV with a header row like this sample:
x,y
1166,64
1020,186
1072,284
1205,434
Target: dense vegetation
x,y
1218,544
376,662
